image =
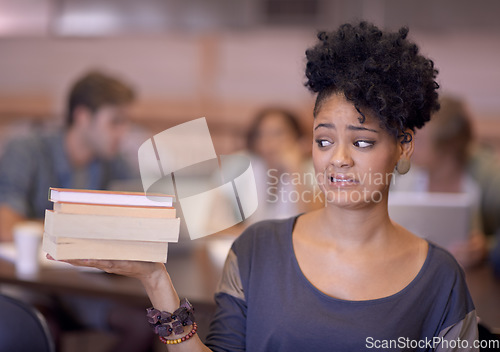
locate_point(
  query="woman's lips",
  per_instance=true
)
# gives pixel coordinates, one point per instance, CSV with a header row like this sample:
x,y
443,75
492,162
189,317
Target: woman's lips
x,y
342,181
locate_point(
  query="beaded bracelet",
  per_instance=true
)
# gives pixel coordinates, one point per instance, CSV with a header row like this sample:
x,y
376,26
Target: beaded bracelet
x,y
165,323
182,339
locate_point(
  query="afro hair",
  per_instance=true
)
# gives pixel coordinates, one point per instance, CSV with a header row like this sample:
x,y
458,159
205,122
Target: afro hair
x,y
381,72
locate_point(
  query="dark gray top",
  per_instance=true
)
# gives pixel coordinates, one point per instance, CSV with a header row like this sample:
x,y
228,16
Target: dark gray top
x,y
265,303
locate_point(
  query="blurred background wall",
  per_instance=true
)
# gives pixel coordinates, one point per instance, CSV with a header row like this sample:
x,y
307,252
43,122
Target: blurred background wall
x,y
225,59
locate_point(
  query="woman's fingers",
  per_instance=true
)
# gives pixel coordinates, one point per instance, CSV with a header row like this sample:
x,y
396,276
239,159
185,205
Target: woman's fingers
x,y
99,264
134,269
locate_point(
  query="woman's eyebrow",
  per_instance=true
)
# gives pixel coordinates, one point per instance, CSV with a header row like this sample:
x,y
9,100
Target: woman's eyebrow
x,y
349,127
325,125
360,128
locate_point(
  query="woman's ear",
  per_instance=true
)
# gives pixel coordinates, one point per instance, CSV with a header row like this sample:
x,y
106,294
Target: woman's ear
x,y
406,146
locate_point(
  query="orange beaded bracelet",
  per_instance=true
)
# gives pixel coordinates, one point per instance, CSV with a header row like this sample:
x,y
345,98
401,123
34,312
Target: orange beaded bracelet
x,y
180,340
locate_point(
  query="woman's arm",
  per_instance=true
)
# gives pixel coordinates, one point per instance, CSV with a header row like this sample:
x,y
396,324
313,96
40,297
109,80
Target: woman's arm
x,y
156,281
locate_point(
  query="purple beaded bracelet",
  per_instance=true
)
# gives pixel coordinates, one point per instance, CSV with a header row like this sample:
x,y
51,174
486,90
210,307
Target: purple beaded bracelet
x,y
165,323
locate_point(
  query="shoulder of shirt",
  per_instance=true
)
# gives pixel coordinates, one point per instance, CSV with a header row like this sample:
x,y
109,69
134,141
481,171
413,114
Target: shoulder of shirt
x,y
263,232
33,139
442,261
25,145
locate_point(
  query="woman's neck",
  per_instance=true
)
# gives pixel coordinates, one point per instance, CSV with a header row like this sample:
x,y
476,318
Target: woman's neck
x,y
351,229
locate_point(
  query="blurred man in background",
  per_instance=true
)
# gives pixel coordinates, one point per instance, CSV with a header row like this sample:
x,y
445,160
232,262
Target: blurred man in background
x,y
84,154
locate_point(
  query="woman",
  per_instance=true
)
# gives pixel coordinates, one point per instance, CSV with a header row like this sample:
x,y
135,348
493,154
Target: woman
x,y
284,177
441,155
342,278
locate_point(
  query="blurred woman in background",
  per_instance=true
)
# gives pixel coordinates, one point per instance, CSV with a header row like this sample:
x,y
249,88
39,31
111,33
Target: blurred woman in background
x,y
440,159
284,176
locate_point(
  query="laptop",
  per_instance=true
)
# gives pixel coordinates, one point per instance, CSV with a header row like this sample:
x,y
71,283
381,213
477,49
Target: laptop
x,y
442,218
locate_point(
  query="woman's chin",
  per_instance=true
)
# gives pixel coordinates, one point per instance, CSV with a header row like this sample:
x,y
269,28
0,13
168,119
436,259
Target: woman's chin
x,y
352,198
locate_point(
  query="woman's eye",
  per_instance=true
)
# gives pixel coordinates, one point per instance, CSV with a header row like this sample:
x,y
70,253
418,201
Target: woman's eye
x,y
363,144
323,143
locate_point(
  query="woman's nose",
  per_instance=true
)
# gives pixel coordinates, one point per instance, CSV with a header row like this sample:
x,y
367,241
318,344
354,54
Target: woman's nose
x,y
341,157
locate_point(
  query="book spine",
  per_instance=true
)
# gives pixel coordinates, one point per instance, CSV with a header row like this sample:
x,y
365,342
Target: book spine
x,y
112,227
104,197
114,210
61,248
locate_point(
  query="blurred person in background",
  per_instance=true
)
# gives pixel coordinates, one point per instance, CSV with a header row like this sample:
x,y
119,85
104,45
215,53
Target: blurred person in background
x,y
440,164
484,167
284,176
84,154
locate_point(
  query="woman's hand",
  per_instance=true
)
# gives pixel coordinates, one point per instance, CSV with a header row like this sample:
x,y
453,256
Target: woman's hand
x,y
140,270
153,276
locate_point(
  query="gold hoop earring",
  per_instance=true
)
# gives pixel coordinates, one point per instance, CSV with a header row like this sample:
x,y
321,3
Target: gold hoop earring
x,y
403,166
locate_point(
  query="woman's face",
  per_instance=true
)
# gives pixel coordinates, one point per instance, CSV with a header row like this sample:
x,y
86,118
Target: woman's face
x,y
353,161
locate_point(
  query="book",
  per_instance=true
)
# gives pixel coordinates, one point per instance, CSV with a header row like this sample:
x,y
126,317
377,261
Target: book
x,y
114,210
108,227
109,197
88,224
66,248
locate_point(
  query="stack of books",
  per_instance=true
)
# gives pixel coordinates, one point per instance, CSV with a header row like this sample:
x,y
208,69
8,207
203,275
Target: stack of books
x,y
88,224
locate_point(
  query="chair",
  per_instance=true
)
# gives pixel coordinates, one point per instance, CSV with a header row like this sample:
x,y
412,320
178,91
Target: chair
x,y
23,328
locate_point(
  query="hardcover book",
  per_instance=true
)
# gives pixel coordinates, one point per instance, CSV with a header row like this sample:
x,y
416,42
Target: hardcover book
x,y
109,197
87,224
